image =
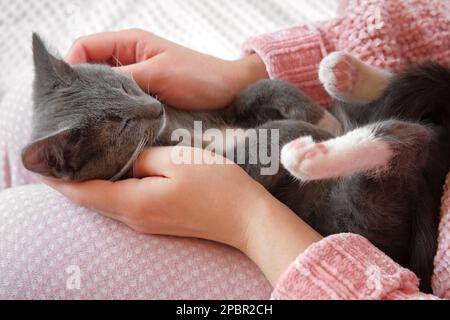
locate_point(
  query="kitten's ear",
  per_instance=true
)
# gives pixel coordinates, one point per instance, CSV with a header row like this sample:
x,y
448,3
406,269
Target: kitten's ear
x,y
48,156
49,70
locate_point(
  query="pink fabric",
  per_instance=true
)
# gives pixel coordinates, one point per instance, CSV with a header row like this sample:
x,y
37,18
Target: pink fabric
x,y
347,266
43,235
387,34
47,240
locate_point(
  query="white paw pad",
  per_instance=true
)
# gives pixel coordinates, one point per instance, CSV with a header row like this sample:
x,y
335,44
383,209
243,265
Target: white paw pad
x,y
306,159
339,74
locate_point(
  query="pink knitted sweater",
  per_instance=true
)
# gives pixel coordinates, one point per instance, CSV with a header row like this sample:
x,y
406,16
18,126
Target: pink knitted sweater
x,y
390,35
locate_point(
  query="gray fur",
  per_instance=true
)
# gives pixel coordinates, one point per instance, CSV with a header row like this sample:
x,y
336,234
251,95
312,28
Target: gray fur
x,y
91,123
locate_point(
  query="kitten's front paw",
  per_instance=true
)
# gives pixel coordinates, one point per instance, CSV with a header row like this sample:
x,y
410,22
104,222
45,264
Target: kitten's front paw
x,y
306,159
338,73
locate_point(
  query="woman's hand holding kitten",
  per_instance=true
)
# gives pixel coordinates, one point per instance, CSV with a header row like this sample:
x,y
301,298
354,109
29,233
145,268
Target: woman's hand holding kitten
x,y
217,202
179,76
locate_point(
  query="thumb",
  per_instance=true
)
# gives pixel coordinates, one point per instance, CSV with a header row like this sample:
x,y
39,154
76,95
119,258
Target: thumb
x,y
170,162
155,162
76,57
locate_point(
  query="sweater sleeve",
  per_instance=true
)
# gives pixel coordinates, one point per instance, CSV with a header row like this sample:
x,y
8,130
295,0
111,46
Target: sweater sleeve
x,y
346,267
293,55
385,34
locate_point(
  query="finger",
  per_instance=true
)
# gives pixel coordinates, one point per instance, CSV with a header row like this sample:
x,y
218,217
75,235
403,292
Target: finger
x,y
143,74
116,200
115,48
171,162
102,48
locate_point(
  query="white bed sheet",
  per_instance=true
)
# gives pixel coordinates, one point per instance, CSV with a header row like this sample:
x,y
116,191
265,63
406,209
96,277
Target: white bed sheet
x,y
213,26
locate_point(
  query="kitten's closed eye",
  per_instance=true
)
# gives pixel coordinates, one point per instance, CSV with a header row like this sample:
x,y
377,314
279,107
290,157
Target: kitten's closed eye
x,y
126,90
125,124
130,89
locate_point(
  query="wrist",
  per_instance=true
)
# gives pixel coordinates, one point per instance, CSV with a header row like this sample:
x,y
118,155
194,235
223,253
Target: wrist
x,y
247,71
255,68
275,237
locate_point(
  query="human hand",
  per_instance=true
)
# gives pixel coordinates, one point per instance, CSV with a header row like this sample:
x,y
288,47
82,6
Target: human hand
x,y
164,198
179,76
217,202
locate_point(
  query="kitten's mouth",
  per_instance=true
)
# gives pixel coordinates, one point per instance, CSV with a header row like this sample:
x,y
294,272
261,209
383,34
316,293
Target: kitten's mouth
x,y
137,152
140,147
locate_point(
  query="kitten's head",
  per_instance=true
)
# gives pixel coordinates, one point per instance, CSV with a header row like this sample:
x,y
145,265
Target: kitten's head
x,y
89,121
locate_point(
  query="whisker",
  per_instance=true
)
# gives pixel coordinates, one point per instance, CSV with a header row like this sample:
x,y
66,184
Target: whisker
x,y
118,63
140,147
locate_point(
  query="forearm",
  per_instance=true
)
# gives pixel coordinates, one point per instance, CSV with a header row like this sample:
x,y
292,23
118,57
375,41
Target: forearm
x,y
300,263
275,238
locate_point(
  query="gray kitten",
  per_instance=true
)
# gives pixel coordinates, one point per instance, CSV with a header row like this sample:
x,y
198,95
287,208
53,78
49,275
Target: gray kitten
x,y
92,123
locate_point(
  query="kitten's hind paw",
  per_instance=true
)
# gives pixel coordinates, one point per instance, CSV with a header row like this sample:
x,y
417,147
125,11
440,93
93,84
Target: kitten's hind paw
x,y
338,73
305,159
348,79
358,151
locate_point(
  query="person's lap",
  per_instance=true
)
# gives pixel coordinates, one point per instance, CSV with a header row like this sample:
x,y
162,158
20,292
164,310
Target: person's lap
x,y
15,131
48,243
